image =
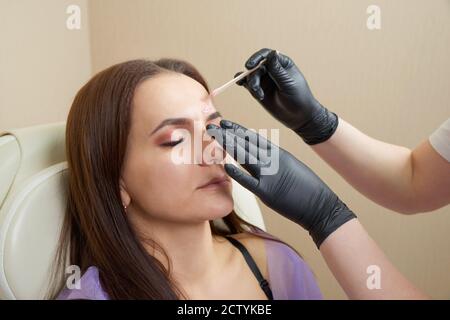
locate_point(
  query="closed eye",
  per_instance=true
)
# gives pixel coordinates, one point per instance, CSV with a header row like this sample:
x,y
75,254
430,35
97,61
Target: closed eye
x,y
172,143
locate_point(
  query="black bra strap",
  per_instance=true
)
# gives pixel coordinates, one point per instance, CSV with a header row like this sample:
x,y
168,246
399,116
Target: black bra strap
x,y
251,263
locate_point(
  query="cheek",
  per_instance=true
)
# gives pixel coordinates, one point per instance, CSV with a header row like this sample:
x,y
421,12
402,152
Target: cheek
x,y
157,184
168,177
168,191
153,169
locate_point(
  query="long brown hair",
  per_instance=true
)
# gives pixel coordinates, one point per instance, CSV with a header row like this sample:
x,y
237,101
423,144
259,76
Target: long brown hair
x,y
95,230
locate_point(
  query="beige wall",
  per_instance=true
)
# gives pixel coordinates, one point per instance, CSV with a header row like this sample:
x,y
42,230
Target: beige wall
x,y
42,63
392,83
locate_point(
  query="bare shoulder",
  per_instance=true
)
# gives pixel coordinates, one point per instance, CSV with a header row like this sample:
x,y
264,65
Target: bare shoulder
x,y
257,249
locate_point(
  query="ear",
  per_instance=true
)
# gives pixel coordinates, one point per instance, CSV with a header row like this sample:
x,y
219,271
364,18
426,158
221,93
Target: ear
x,y
124,195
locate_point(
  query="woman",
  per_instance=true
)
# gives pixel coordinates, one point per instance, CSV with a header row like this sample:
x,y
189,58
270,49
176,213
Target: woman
x,y
139,225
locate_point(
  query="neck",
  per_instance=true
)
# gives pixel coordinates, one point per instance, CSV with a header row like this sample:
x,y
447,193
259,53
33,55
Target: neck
x,y
192,249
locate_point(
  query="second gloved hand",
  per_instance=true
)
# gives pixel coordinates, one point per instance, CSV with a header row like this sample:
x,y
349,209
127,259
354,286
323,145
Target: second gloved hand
x,y
293,190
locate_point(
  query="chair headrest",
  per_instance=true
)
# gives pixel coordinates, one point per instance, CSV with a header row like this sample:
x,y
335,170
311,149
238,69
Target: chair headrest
x,y
26,151
30,223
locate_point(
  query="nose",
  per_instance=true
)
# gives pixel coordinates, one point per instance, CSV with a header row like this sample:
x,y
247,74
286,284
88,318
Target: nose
x,y
212,151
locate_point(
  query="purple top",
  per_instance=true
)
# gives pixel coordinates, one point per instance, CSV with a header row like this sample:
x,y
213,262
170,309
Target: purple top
x,y
290,278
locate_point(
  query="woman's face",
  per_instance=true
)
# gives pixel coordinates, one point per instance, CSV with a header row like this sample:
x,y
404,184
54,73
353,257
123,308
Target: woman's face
x,y
170,111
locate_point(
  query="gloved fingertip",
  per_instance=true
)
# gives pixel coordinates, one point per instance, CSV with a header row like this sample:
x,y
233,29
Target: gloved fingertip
x,y
253,81
272,56
230,169
211,126
250,64
213,131
274,66
260,93
241,82
226,124
255,92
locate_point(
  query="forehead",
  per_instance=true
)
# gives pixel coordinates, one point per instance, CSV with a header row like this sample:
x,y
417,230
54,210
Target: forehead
x,y
169,95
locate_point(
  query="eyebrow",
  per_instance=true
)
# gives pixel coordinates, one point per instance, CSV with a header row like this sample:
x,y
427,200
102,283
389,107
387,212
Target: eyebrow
x,y
183,121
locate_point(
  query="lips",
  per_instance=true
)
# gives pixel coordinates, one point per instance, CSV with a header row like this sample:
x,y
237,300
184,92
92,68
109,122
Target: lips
x,y
218,181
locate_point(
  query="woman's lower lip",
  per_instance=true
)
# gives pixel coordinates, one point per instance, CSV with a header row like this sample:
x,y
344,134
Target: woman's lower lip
x,y
221,184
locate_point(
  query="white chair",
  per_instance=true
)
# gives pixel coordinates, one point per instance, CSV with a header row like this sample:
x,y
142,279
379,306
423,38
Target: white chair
x,y
32,204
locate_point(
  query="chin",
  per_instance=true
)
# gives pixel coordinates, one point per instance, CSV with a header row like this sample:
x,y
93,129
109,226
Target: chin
x,y
217,208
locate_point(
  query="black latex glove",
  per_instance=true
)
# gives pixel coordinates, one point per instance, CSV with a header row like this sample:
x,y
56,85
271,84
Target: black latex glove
x,y
294,191
283,91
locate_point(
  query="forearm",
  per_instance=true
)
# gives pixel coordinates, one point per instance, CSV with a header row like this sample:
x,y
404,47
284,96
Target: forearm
x,y
383,172
349,252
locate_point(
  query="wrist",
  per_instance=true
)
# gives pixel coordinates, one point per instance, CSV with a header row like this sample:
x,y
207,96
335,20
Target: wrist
x,y
330,223
320,127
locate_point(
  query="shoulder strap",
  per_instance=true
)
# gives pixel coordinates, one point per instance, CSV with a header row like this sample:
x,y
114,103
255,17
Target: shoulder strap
x,y
251,263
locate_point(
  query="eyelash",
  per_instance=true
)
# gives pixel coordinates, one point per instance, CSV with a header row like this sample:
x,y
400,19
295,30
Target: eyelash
x,y
172,143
